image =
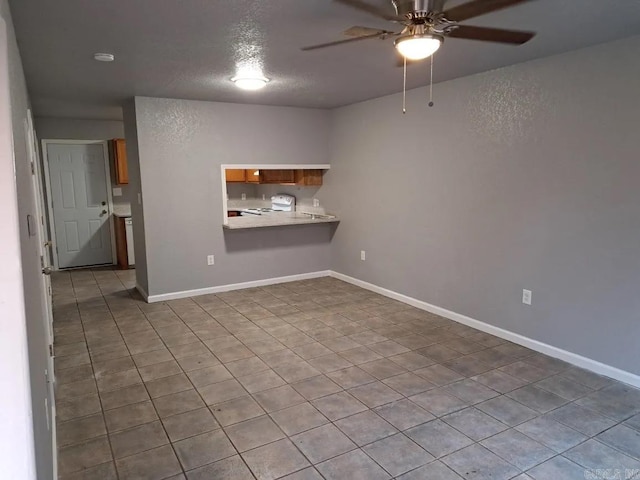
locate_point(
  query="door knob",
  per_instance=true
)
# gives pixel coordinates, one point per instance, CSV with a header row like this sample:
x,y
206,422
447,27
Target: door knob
x,y
104,203
48,243
104,212
46,271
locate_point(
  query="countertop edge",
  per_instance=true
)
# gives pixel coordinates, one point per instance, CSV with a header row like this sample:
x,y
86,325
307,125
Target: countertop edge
x,y
281,224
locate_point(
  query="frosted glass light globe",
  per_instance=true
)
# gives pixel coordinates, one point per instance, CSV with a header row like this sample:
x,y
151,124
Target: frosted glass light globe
x,y
417,47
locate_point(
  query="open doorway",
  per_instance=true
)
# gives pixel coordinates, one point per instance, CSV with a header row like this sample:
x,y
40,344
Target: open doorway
x,y
78,187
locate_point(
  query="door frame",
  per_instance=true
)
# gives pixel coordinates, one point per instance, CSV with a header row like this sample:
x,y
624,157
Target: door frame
x,y
107,169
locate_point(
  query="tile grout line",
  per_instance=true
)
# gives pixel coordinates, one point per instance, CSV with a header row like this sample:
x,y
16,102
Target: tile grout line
x,y
108,435
269,414
115,467
95,383
336,311
207,406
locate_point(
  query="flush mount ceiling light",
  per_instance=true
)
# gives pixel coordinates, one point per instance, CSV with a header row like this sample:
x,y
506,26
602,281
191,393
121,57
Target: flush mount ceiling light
x,y
418,46
104,57
250,83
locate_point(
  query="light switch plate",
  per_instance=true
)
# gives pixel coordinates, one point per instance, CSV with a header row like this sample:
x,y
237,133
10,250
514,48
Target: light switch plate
x,y
117,192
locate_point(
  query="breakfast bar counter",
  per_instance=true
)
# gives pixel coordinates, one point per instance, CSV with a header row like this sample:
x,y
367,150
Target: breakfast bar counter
x,y
277,219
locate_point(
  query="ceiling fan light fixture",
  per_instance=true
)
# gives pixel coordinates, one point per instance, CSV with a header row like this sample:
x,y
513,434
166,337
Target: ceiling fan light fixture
x,y
250,83
418,46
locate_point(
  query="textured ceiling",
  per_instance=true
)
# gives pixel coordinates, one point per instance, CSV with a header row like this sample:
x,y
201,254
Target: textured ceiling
x,y
190,48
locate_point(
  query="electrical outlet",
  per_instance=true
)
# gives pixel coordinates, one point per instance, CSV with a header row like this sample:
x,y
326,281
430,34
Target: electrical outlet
x,y
244,196
316,202
363,255
139,199
526,297
210,260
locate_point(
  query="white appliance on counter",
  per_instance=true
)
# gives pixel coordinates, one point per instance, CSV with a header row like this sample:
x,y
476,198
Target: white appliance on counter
x,y
128,228
283,203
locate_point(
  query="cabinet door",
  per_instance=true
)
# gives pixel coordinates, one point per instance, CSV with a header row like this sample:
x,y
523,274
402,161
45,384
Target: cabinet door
x,y
235,175
311,177
252,176
120,161
121,243
278,176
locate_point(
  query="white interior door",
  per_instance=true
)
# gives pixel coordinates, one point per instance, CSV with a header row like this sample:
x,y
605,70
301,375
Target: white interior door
x,y
79,194
45,262
44,241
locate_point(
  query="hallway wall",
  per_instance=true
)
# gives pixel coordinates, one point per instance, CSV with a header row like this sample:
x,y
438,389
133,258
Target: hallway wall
x,y
28,446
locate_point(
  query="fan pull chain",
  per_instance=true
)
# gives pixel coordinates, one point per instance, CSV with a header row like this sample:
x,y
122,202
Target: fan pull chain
x,y
431,83
404,87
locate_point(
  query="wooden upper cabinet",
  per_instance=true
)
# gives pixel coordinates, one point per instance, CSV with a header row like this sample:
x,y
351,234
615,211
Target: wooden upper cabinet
x,y
307,177
235,175
252,176
277,176
120,161
311,177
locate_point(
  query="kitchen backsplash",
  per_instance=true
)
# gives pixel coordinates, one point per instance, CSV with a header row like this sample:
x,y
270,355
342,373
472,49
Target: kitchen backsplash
x,y
259,196
305,206
122,210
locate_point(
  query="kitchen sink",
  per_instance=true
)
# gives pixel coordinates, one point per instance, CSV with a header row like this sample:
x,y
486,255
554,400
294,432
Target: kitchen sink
x,y
255,211
318,215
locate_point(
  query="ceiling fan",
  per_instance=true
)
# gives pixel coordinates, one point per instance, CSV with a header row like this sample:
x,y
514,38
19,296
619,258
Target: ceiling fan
x,y
425,24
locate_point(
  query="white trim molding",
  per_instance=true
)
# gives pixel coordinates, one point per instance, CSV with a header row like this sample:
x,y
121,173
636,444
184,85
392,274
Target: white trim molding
x,y
570,357
143,292
233,286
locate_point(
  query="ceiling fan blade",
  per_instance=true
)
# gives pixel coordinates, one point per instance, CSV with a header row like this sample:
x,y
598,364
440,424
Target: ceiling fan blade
x,y
499,35
476,8
358,31
373,10
340,42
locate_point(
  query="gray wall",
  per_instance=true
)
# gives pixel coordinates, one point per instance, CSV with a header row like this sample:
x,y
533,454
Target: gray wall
x,y
181,147
524,177
137,213
16,182
78,128
59,128
16,435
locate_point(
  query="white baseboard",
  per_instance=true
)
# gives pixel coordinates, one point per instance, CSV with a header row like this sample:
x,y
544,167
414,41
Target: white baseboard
x,y
233,286
142,292
570,357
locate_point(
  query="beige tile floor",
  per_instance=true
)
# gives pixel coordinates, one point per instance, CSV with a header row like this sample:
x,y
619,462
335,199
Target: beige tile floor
x,y
316,379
